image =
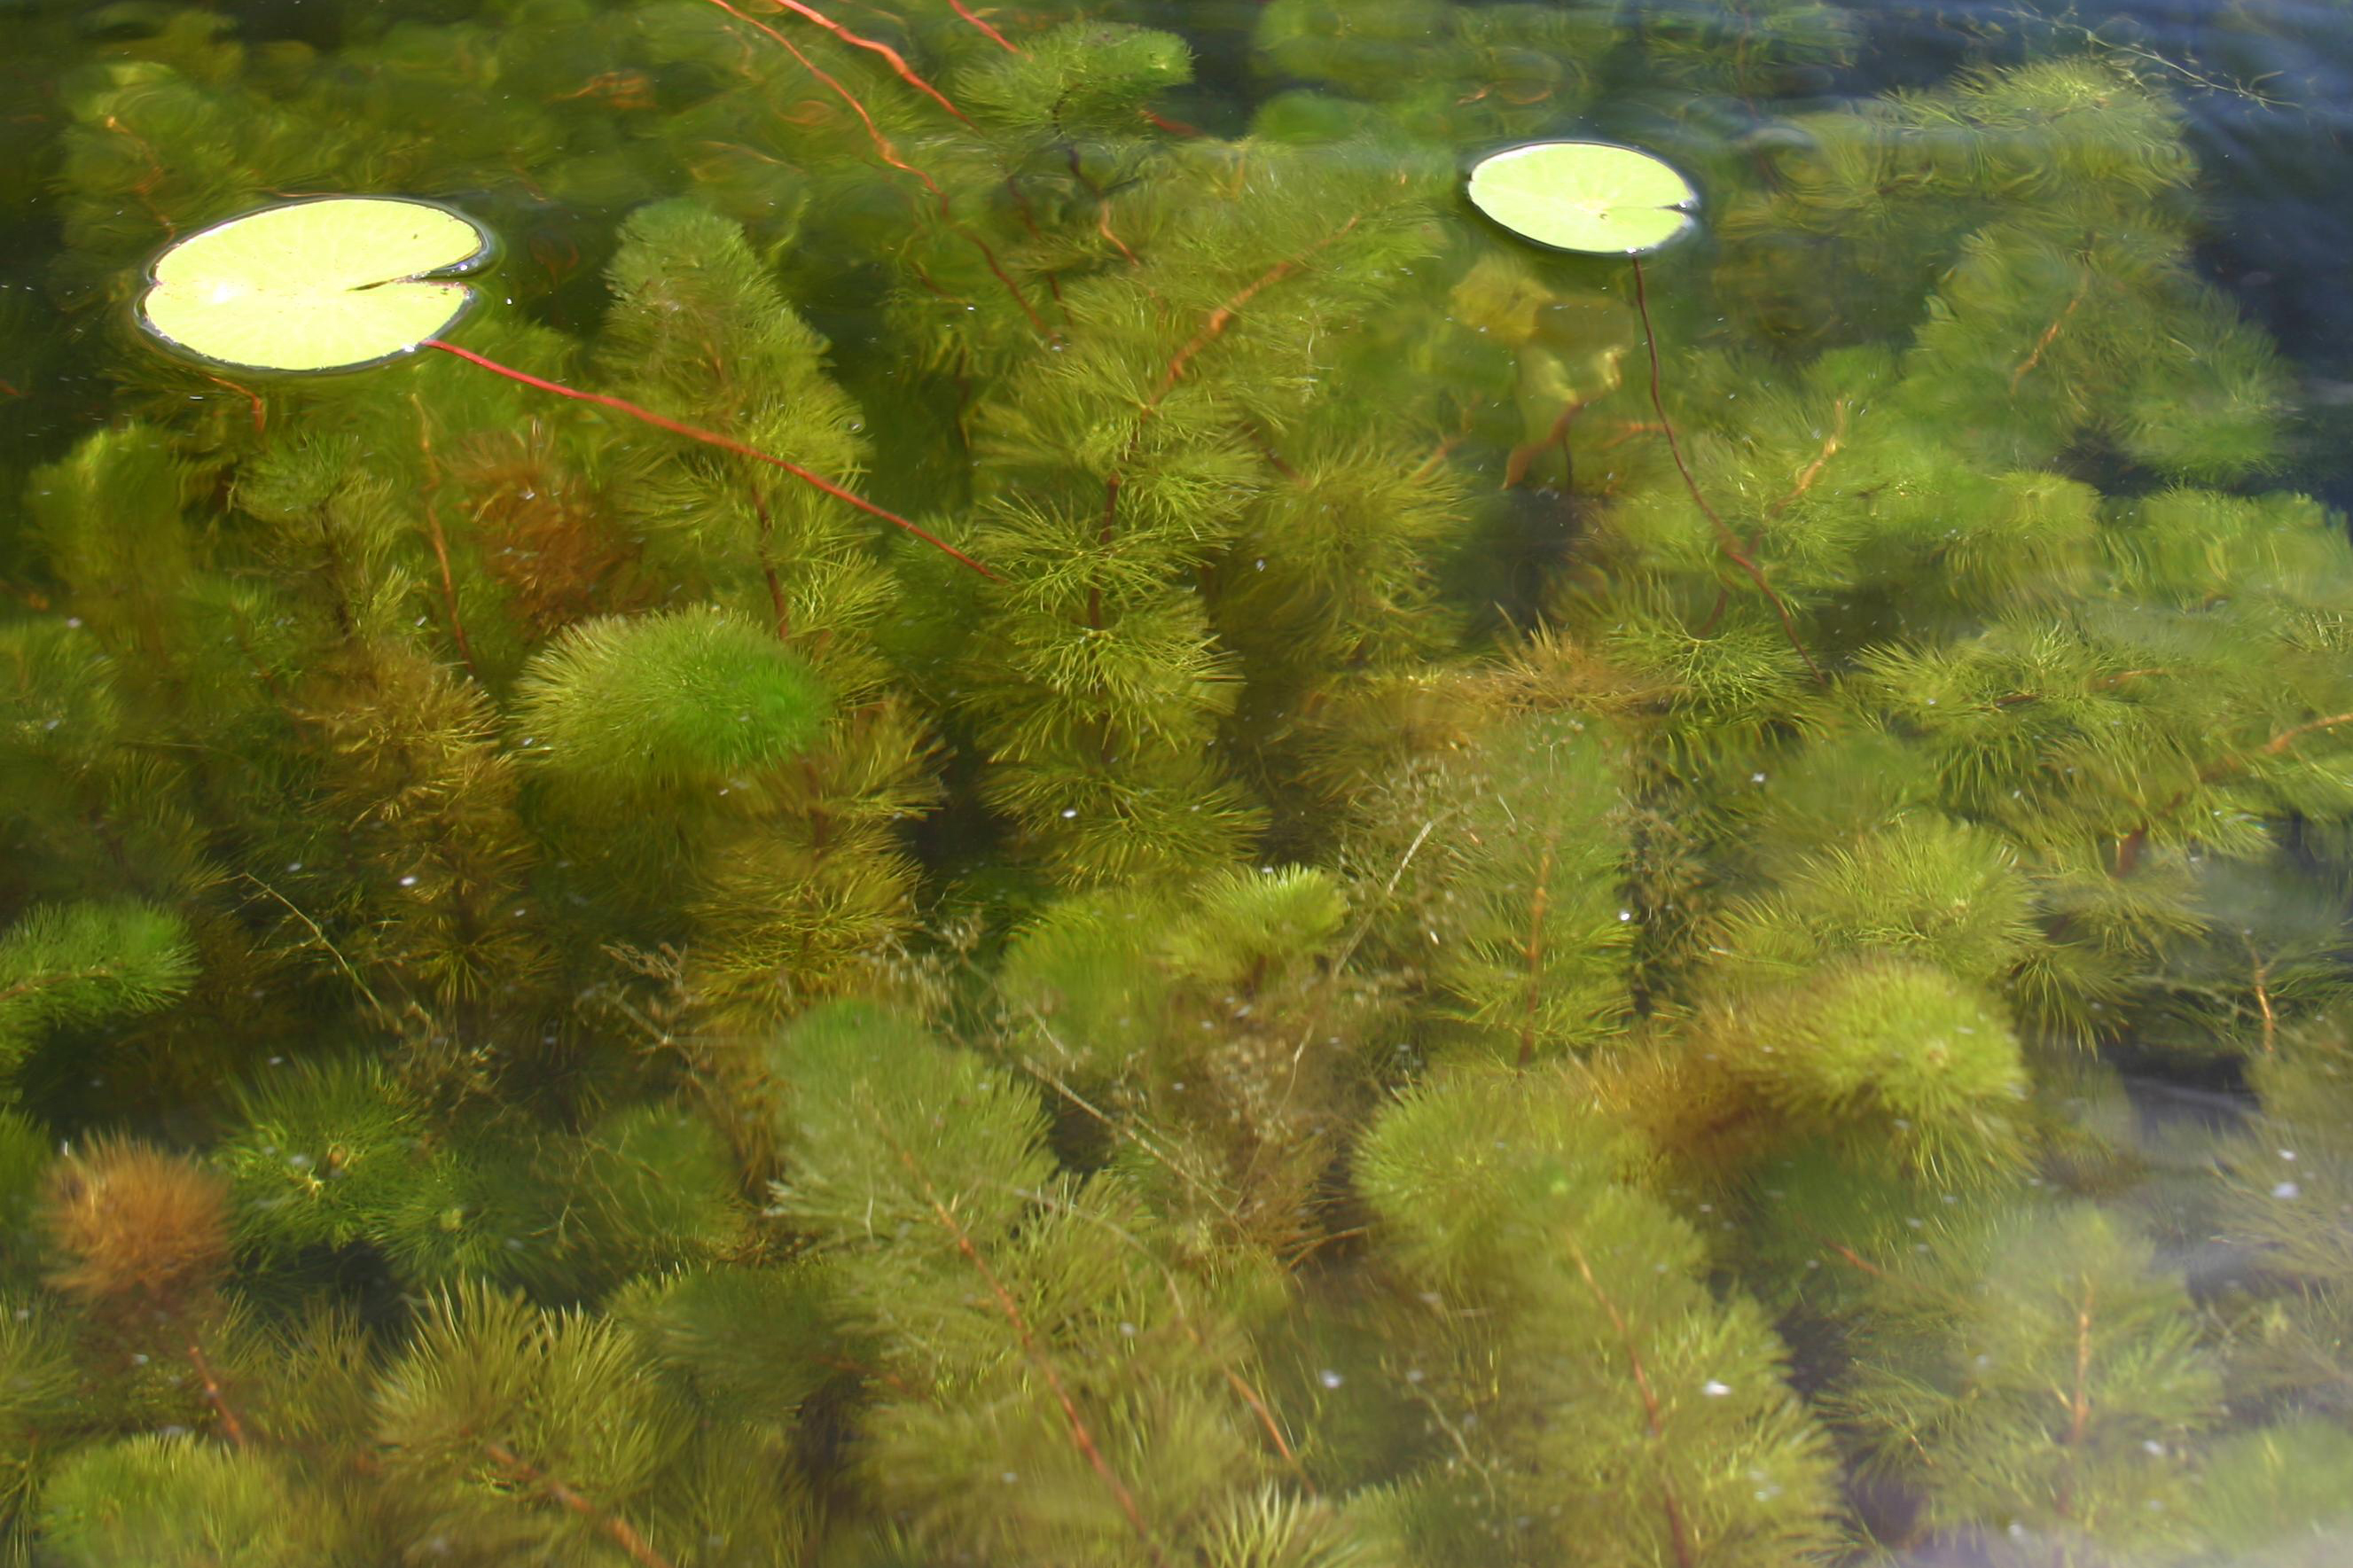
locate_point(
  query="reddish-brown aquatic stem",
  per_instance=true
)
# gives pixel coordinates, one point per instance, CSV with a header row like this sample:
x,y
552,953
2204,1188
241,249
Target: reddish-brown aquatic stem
x,y
612,1526
1679,1534
882,147
1082,1436
215,1396
889,153
1223,316
708,439
897,62
440,544
1726,542
2128,851
994,36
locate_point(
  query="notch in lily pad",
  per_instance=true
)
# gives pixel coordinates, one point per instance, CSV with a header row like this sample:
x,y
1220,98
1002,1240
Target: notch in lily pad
x,y
344,283
1594,198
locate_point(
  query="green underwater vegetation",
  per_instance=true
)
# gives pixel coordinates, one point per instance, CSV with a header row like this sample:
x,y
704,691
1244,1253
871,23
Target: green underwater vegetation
x,y
1504,932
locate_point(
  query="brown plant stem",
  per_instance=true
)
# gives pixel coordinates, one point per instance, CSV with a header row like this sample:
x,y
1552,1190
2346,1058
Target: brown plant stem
x,y
1082,1436
2050,335
441,545
1223,316
1534,953
614,1528
1266,1420
2129,849
1726,542
148,182
1814,470
231,1428
1678,1529
2263,975
1078,167
2079,1406
255,409
1212,329
776,601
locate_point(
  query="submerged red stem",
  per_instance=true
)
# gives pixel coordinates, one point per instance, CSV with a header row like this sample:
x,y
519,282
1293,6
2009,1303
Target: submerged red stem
x,y
995,36
1725,540
708,439
898,62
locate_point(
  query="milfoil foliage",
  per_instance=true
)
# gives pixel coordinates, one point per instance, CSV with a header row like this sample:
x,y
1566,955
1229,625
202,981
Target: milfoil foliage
x,y
1471,946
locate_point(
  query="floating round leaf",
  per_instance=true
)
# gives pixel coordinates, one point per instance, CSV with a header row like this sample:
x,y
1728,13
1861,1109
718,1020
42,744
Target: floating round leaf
x,y
345,282
333,283
1587,196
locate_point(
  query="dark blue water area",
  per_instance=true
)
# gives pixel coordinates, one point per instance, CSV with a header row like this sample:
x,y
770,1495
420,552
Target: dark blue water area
x,y
2267,88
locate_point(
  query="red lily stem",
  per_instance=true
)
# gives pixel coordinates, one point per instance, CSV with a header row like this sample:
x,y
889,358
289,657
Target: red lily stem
x,y
898,62
996,36
708,439
1725,540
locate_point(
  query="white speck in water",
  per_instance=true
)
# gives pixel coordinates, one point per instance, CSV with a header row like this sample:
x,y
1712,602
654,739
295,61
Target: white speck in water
x,y
2288,1190
1328,1378
1714,1389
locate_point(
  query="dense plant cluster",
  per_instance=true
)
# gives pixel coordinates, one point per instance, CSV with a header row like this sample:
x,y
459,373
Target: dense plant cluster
x,y
1498,935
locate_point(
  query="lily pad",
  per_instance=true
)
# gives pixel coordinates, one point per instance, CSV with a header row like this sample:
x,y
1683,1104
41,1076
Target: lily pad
x,y
332,283
1593,198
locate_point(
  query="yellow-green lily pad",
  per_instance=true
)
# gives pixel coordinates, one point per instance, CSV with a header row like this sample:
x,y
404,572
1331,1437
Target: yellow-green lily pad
x,y
330,283
1591,197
